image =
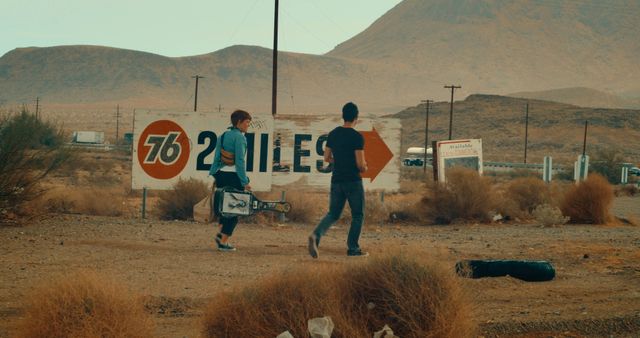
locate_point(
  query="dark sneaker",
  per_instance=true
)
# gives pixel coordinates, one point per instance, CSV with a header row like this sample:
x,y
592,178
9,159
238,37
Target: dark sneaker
x,y
358,253
226,247
218,238
313,246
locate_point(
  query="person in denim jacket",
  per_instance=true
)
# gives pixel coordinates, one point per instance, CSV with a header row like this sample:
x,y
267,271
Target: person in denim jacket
x,y
345,151
229,170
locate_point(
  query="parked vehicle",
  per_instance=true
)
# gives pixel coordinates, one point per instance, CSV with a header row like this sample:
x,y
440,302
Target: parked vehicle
x,y
94,137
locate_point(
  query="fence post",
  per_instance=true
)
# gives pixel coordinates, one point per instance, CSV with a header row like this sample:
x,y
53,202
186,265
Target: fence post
x,y
547,169
282,199
144,202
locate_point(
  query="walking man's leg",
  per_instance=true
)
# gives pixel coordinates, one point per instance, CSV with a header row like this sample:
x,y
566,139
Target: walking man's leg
x,y
337,199
355,196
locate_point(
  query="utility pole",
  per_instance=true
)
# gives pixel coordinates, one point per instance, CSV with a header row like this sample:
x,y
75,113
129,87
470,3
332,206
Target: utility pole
x,y
37,106
453,88
426,133
274,86
526,132
195,102
219,108
117,122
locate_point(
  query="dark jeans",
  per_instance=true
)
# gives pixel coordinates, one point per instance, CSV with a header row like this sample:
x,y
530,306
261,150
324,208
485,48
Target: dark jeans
x,y
226,179
353,192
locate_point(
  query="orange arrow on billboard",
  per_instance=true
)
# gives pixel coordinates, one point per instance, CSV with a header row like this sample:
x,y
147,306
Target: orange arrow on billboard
x,y
376,153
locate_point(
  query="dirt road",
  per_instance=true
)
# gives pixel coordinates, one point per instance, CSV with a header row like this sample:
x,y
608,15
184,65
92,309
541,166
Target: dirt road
x,y
596,291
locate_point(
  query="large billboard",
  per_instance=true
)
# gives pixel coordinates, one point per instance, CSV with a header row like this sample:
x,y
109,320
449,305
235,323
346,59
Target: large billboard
x,y
286,152
170,146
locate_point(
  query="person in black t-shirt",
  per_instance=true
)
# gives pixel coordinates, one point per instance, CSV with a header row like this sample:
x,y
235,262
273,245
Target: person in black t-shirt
x,y
345,151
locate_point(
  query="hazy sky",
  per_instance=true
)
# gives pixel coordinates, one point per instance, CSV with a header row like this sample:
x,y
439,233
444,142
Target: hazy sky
x,y
186,27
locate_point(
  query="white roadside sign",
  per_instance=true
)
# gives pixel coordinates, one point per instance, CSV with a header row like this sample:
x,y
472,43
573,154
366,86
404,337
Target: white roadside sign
x,y
458,153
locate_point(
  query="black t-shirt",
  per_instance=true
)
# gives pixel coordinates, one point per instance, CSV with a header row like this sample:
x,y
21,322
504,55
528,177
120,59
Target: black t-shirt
x,y
343,143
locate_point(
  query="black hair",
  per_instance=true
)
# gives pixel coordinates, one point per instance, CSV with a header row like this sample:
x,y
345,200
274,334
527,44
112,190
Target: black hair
x,y
349,112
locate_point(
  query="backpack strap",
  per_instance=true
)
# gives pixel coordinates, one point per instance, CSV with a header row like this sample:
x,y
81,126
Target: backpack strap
x,y
227,157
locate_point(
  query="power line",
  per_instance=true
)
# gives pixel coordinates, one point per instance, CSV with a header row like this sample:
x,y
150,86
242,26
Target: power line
x,y
241,23
294,20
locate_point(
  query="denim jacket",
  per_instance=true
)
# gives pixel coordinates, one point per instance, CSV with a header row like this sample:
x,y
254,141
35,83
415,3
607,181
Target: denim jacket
x,y
235,142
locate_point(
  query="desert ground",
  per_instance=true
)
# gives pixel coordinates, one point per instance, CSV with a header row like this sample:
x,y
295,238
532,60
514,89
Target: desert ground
x,y
173,264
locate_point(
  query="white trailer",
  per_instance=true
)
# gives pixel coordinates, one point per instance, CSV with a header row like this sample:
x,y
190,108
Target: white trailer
x,y
93,137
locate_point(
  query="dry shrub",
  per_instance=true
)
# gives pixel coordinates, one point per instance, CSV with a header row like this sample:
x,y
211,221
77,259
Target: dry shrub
x,y
405,207
306,207
627,190
528,193
589,201
178,202
548,215
84,304
276,304
86,201
376,210
413,298
465,196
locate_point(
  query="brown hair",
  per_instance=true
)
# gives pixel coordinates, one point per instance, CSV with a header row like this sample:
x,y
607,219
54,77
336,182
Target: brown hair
x,y
239,116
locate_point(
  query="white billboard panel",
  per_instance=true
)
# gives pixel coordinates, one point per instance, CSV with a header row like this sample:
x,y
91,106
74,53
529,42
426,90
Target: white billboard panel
x,y
299,151
170,146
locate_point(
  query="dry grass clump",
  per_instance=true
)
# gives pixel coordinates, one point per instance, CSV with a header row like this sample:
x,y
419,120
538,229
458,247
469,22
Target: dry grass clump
x,y
414,299
465,196
178,202
276,304
405,207
528,193
86,201
627,190
306,207
589,201
84,304
548,215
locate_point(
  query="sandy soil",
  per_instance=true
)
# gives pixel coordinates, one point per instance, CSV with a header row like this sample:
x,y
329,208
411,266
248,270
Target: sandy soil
x,y
596,292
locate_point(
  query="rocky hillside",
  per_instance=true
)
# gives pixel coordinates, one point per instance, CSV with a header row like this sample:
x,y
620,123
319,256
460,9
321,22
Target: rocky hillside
x,y
555,129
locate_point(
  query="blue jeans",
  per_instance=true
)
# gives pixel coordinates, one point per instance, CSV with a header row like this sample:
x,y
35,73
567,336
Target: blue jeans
x,y
353,192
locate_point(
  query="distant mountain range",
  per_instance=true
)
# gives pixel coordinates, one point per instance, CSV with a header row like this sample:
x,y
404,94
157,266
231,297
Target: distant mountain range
x,y
408,54
581,96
